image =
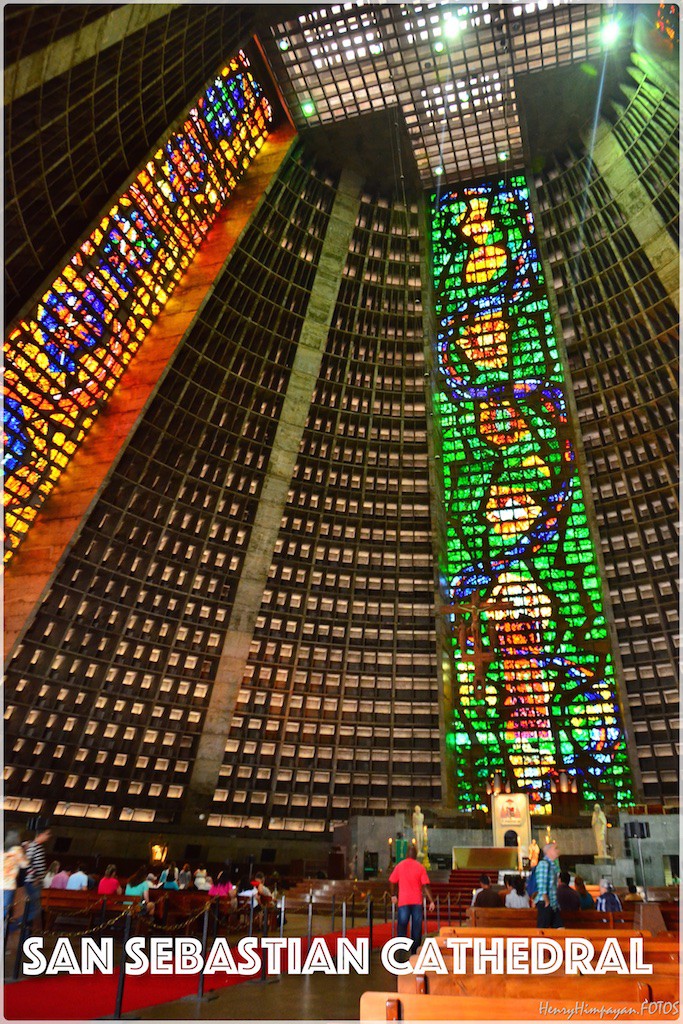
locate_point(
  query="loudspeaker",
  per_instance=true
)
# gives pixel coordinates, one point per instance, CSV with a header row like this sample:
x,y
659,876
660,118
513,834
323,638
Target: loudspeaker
x,y
636,830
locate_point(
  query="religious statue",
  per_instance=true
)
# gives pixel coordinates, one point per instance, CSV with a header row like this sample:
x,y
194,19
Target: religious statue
x,y
425,849
599,826
418,830
534,853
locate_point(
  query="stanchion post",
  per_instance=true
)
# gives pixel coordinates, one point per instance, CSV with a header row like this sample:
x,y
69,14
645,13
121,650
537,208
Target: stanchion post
x,y
344,919
448,901
310,923
393,919
251,916
370,908
384,900
205,941
216,916
264,970
438,915
424,915
23,932
353,910
122,966
282,915
333,910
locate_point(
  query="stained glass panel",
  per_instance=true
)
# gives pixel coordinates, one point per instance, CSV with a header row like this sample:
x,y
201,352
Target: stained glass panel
x,y
63,360
533,675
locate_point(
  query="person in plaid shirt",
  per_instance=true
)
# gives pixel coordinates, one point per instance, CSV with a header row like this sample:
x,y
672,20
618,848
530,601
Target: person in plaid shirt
x,y
547,875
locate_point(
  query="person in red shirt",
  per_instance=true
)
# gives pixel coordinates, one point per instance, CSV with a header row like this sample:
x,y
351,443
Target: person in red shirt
x,y
109,884
409,881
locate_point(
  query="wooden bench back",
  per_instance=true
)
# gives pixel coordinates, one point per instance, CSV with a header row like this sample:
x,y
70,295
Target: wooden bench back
x,y
492,917
594,934
376,1006
530,986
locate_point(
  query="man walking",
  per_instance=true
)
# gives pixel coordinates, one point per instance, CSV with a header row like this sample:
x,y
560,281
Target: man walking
x,y
547,875
409,881
37,867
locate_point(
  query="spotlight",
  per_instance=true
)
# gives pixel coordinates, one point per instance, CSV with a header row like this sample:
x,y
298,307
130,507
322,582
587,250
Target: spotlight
x,y
503,155
452,28
284,44
438,171
609,32
308,108
438,46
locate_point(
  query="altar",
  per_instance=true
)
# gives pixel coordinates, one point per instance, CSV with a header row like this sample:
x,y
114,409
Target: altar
x,y
485,858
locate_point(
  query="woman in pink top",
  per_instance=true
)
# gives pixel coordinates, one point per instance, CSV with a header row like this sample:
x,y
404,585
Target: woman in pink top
x,y
109,883
222,886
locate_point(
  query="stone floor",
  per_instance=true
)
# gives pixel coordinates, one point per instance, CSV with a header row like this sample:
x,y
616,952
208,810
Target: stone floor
x,y
316,997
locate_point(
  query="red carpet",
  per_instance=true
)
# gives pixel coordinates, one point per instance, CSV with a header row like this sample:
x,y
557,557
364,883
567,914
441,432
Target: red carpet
x,y
88,997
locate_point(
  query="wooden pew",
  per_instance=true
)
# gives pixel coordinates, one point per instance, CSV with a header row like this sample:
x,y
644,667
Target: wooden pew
x,y
80,910
172,907
593,987
375,1006
656,950
594,934
492,917
671,912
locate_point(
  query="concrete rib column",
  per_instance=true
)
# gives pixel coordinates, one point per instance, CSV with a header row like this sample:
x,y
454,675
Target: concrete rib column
x,y
643,220
64,54
266,528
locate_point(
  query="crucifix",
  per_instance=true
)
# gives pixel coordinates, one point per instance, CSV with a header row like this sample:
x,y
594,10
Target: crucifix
x,y
469,627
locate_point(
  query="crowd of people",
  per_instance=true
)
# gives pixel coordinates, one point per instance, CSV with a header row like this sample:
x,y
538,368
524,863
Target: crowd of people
x,y
515,895
25,867
550,891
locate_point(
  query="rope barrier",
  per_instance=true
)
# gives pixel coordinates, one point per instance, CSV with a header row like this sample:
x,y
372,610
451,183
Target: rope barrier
x,y
88,931
305,906
80,911
181,924
134,910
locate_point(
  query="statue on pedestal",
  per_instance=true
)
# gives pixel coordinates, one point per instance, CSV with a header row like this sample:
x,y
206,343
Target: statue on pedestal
x,y
418,830
599,826
425,849
534,853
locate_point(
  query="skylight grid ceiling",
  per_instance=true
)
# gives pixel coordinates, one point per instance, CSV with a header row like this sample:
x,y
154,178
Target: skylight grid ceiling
x,y
450,68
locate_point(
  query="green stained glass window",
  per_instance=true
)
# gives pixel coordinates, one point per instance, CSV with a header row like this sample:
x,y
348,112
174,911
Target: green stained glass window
x,y
533,676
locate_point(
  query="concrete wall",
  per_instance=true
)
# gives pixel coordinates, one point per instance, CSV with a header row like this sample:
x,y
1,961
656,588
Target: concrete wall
x,y
371,834
89,842
366,834
664,841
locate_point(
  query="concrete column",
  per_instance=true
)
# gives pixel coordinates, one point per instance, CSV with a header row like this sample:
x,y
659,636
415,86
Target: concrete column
x,y
63,54
634,202
273,499
444,643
